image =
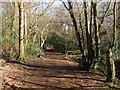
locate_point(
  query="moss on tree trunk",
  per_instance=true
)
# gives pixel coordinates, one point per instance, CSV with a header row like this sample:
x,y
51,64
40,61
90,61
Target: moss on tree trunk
x,y
21,56
110,66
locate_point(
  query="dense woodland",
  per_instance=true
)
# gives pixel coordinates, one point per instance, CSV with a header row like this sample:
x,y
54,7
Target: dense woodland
x,y
85,32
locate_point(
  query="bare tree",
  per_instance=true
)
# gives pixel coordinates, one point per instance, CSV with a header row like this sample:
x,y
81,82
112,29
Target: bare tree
x,y
21,31
97,50
70,10
109,56
88,35
25,24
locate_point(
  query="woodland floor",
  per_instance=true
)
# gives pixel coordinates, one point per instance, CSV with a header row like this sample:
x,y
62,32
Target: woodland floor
x,y
50,73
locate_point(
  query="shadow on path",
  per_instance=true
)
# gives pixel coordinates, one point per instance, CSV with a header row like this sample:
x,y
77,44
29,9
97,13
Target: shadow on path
x,y
54,72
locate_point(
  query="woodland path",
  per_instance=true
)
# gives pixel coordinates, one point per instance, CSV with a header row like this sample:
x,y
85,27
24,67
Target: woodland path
x,y
50,73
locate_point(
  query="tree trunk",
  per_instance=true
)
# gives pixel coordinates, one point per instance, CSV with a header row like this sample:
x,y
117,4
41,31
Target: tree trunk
x,y
83,40
91,53
13,20
117,39
109,58
25,27
76,29
110,66
97,38
88,36
21,32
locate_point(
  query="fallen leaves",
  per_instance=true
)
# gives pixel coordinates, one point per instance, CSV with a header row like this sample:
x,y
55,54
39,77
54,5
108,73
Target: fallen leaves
x,y
51,73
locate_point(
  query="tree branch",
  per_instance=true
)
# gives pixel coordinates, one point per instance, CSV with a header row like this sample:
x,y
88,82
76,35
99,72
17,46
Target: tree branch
x,y
65,5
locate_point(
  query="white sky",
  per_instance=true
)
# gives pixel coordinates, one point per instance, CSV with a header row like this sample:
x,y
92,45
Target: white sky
x,y
52,0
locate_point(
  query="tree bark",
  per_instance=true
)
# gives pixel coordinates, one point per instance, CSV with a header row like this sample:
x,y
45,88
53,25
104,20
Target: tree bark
x,y
97,41
21,32
88,35
25,26
110,66
117,39
92,52
109,59
83,40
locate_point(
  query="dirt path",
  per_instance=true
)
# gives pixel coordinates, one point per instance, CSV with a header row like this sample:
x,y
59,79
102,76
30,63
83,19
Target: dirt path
x,y
1,72
50,74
